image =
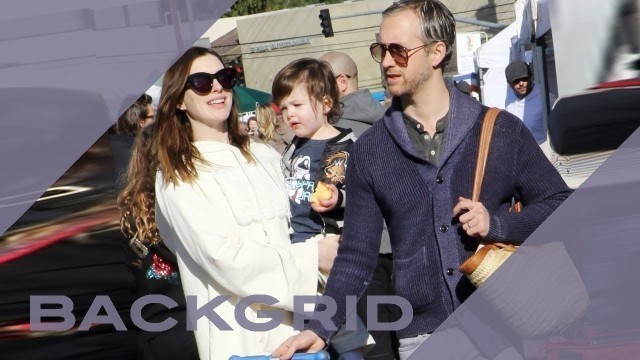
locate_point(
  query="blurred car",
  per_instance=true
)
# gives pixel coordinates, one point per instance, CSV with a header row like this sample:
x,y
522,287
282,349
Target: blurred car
x,y
587,127
68,243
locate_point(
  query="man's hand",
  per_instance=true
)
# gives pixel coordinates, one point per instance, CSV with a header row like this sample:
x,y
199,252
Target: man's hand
x,y
327,205
306,341
474,217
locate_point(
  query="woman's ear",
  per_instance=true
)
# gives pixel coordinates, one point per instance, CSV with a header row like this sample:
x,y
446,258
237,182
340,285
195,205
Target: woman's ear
x,y
181,106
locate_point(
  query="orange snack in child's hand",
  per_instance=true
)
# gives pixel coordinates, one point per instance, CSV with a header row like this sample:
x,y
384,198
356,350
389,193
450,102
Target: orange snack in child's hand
x,y
323,192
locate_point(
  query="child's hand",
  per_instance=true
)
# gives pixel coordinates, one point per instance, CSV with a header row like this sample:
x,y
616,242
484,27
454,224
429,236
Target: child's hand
x,y
322,205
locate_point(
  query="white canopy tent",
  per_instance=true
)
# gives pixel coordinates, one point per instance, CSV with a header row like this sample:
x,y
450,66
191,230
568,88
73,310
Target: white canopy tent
x,y
532,13
495,55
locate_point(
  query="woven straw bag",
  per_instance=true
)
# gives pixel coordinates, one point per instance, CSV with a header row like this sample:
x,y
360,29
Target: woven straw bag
x,y
485,261
487,258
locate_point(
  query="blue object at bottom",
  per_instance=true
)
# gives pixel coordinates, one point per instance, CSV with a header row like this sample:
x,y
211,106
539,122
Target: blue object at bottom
x,y
320,355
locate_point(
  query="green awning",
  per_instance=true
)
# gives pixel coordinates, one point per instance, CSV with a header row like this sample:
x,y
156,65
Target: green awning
x,y
246,98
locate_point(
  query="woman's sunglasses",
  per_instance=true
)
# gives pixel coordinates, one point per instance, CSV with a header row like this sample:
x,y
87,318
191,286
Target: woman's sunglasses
x,y
399,53
202,82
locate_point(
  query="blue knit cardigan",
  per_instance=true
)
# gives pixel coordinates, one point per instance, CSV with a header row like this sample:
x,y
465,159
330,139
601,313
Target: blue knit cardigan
x,y
388,179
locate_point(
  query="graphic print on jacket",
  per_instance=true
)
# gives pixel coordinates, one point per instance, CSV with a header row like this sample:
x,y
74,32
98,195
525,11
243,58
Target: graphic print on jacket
x,y
300,186
336,167
304,166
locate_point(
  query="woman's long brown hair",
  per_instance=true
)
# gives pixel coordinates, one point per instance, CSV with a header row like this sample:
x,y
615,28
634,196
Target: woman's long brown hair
x,y
167,146
137,200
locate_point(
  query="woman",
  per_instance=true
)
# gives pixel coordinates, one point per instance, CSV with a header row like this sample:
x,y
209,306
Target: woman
x,y
137,116
154,266
252,124
220,205
271,129
144,260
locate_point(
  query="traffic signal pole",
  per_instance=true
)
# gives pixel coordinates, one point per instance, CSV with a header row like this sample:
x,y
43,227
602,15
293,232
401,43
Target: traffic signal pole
x,y
325,23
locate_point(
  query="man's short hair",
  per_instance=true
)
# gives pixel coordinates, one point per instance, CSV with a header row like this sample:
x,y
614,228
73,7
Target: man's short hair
x,y
437,22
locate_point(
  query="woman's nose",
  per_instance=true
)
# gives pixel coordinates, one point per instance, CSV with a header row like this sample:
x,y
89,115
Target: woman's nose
x,y
216,86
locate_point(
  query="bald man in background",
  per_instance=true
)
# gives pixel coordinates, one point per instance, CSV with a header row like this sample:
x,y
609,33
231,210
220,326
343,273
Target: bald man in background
x,y
359,112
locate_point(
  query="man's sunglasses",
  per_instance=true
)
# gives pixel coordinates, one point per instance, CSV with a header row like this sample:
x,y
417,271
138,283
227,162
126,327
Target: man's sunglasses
x,y
399,53
202,82
518,80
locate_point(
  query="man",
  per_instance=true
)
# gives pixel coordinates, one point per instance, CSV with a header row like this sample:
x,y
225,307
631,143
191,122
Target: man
x,y
414,169
527,104
359,109
359,112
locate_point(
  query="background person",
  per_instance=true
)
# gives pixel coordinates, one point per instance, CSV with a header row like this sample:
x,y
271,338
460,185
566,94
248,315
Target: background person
x,y
137,116
219,203
359,109
527,104
154,267
252,125
272,129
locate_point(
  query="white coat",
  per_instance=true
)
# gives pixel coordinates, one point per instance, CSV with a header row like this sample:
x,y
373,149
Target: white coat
x,y
229,230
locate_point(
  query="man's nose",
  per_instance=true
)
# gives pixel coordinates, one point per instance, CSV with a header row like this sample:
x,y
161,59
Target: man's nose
x,y
387,59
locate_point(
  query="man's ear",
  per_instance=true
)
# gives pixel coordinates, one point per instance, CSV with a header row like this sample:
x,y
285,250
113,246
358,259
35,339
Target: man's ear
x,y
342,83
439,50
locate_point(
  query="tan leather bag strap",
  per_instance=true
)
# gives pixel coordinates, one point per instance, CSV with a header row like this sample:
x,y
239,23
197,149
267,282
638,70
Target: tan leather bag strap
x,y
483,150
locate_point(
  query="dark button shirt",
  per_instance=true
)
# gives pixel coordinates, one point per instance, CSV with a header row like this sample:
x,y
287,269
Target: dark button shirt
x,y
425,144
